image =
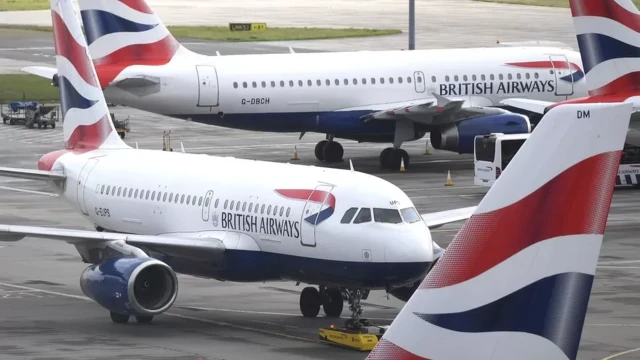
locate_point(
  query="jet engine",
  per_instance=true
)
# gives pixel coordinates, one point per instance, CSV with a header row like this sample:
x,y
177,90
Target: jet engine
x,y
131,286
459,137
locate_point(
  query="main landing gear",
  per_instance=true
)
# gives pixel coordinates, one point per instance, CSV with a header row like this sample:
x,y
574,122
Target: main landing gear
x,y
329,150
391,158
330,299
123,319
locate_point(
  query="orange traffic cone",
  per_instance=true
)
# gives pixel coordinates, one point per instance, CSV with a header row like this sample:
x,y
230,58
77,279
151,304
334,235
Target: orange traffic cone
x,y
426,148
295,153
402,164
449,182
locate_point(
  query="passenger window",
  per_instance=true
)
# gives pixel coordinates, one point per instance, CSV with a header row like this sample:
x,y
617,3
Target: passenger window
x,y
409,79
273,84
483,78
119,190
216,206
244,206
492,77
188,199
177,198
148,193
363,216
501,77
275,210
328,82
288,211
290,83
535,75
433,79
309,83
153,196
235,85
527,76
373,81
399,80
254,84
346,82
257,208
238,206
250,207
281,83
262,209
390,80
231,207
264,84
355,81
364,81
419,79
518,76
269,210
337,82
171,197
159,195
456,78
410,215
193,200
244,85
225,204
300,83
164,198
473,78
108,188
390,216
124,192
135,196
509,76
182,199
348,215
381,80
281,210
465,78
318,82
200,201
551,72
447,78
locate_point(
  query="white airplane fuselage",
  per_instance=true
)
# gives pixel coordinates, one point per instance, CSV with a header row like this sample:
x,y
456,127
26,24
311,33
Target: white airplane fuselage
x,y
263,212
329,92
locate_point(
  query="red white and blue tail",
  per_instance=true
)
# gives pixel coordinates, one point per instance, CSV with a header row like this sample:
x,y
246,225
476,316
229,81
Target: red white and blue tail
x,y
87,123
609,39
516,280
122,33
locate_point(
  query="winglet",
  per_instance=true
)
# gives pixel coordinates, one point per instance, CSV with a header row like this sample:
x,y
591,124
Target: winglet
x,y
515,281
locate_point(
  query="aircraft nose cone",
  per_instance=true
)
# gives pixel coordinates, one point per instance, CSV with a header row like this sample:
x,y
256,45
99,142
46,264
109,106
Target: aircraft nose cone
x,y
410,249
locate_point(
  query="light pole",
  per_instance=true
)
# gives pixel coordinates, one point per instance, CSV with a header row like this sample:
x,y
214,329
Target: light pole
x,y
412,24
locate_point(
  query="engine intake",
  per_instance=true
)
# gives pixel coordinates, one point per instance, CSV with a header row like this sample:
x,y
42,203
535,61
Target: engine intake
x,y
459,137
131,286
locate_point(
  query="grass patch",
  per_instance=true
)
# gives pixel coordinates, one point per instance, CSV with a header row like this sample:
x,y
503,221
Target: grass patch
x,y
19,5
222,33
18,87
549,3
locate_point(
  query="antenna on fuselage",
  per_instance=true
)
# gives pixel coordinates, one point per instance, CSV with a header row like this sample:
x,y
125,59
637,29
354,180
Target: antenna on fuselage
x,y
351,165
182,147
136,145
218,53
291,50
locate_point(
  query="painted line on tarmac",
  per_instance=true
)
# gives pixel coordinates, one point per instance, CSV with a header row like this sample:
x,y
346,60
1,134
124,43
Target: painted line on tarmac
x,y
614,325
34,192
619,262
262,312
621,354
27,48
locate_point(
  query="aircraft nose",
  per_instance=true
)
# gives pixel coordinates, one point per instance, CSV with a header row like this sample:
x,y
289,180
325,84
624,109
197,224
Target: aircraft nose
x,y
414,247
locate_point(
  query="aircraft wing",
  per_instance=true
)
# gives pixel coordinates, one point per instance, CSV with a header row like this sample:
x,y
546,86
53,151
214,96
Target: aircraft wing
x,y
437,219
43,71
195,248
536,106
434,110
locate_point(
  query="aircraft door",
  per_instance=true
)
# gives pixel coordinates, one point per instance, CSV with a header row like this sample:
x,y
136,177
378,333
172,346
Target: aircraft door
x,y
206,205
318,207
419,81
208,94
82,184
563,74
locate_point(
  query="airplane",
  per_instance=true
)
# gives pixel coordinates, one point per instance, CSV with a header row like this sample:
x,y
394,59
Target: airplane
x,y
515,282
367,96
160,213
608,35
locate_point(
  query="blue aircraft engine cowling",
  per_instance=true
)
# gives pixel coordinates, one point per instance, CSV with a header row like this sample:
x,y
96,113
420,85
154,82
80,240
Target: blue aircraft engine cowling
x,y
459,137
131,286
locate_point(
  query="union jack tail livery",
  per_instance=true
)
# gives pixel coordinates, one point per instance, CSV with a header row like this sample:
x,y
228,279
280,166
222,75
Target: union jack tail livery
x,y
87,124
609,39
122,33
516,280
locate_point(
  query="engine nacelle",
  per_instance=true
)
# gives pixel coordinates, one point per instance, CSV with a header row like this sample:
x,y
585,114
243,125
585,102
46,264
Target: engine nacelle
x,y
131,286
459,137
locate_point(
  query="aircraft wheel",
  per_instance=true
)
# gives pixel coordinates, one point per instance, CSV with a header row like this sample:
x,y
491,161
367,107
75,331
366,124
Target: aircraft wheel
x,y
310,302
119,318
320,149
333,302
333,152
144,319
384,157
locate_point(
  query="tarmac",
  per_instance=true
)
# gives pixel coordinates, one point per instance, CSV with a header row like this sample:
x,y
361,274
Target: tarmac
x,y
44,315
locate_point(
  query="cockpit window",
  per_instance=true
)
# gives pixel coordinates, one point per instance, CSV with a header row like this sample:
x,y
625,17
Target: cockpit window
x,y
363,216
410,215
391,216
348,216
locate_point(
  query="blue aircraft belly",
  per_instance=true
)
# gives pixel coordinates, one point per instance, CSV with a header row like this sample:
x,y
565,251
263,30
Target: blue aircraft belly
x,y
256,266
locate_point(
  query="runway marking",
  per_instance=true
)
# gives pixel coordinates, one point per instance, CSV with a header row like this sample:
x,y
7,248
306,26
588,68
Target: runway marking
x,y
27,48
621,353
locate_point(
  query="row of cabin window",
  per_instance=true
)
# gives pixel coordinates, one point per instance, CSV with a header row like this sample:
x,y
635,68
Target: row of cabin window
x,y
328,82
151,195
492,77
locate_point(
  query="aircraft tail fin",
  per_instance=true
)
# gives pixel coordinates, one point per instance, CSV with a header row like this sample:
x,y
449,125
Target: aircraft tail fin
x,y
608,34
516,280
86,121
126,33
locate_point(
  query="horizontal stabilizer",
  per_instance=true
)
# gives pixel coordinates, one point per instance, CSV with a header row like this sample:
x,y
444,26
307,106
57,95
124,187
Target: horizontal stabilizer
x,y
31,174
42,71
536,106
196,248
437,219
